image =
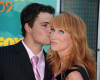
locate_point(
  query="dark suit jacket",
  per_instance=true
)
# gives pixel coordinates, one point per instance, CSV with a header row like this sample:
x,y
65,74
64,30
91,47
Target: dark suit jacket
x,y
15,64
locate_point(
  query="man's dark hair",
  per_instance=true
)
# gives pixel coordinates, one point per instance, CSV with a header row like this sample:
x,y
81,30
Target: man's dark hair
x,y
31,12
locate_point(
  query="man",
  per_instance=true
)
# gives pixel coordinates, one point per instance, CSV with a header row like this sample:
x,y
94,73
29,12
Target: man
x,y
16,60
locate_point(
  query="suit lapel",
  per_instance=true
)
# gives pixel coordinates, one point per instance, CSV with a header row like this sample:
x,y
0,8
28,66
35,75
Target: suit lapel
x,y
48,73
24,60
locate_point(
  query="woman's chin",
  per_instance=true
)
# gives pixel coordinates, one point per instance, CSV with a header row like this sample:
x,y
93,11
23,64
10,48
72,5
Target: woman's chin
x,y
53,49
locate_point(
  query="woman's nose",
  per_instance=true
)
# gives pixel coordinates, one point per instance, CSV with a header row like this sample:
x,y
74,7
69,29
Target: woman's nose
x,y
53,35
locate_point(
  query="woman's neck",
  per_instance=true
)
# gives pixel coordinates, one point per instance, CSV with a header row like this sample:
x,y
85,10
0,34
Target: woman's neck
x,y
63,63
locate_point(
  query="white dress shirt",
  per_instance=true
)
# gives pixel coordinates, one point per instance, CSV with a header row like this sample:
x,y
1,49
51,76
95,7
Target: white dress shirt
x,y
41,62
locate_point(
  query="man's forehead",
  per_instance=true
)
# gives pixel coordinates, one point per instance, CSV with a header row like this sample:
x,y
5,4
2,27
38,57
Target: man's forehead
x,y
45,18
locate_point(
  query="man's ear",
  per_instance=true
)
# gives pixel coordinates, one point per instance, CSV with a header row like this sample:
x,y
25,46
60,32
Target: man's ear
x,y
27,27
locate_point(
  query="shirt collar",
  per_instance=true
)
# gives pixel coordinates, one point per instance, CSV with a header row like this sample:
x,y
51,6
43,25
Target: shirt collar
x,y
31,54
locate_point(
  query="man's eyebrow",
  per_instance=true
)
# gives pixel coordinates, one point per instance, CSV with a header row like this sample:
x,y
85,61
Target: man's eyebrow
x,y
44,22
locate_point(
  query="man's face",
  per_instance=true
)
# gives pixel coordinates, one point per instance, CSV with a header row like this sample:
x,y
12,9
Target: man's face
x,y
41,30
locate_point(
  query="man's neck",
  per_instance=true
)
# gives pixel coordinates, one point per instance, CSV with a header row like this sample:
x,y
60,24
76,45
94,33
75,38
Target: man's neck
x,y
34,47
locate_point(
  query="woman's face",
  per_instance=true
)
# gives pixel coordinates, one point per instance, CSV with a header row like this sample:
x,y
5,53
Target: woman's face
x,y
60,40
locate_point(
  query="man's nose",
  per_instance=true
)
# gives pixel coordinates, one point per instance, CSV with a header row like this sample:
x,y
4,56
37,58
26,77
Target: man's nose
x,y
49,28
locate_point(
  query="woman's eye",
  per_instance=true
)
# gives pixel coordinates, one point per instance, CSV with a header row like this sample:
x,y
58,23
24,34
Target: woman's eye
x,y
61,31
52,30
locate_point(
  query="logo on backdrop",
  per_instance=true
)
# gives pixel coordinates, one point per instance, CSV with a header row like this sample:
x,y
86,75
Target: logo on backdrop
x,y
6,5
8,41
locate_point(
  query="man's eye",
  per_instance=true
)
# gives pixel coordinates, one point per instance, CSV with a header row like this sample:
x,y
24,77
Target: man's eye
x,y
44,25
52,30
61,31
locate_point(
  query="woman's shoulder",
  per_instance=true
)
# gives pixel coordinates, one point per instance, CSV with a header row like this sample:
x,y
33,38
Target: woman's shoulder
x,y
74,75
79,73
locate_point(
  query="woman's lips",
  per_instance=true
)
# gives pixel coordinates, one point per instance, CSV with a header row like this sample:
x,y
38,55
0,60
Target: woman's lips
x,y
53,43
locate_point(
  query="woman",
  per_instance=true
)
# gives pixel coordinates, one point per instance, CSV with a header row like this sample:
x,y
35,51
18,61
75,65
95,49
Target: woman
x,y
69,54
